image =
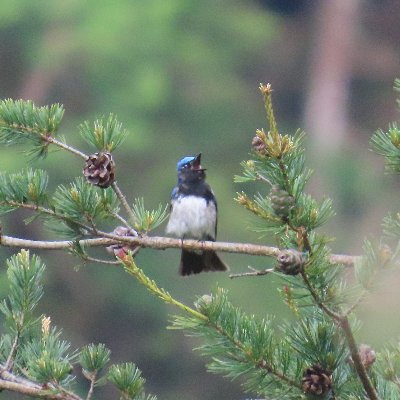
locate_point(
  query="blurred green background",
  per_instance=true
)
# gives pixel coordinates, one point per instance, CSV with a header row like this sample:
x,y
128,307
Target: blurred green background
x,y
183,78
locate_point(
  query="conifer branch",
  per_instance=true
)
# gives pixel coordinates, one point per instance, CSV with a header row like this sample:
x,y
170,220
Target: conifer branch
x,y
32,391
343,322
262,364
13,383
355,355
151,285
242,343
162,243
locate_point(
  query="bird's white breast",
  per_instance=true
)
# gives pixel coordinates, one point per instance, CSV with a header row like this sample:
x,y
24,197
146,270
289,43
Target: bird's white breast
x,y
192,217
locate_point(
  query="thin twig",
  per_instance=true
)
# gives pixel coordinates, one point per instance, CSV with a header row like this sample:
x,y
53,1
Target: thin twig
x,y
51,139
263,178
13,351
101,261
123,201
124,222
254,272
91,388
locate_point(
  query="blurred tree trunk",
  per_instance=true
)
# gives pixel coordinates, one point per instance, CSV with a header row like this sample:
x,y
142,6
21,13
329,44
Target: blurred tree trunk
x,y
326,117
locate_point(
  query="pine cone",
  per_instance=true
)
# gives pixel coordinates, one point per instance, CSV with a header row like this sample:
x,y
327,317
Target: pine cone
x,y
99,169
290,262
121,250
316,380
282,202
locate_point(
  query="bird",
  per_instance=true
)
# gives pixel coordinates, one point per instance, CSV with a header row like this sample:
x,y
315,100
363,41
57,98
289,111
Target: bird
x,y
193,215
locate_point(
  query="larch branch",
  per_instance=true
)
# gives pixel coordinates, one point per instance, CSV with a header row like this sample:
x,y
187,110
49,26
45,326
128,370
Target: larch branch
x,y
161,243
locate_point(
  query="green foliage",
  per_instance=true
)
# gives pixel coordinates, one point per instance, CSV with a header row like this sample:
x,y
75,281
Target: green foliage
x,y
388,368
305,358
325,279
43,356
278,161
81,204
24,274
387,144
374,260
36,350
94,357
317,341
21,121
47,359
106,134
391,225
241,345
81,198
145,220
127,378
26,187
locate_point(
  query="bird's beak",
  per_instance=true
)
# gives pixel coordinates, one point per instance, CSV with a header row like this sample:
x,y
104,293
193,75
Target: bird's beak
x,y
196,164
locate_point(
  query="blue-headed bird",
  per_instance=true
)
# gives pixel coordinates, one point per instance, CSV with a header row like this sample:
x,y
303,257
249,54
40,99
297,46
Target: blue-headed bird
x,y
194,216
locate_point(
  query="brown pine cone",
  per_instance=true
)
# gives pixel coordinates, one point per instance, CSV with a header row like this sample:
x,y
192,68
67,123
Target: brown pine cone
x,y
99,169
316,380
290,262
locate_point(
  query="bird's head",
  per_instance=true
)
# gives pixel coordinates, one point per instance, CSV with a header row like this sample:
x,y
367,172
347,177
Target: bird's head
x,y
189,169
190,163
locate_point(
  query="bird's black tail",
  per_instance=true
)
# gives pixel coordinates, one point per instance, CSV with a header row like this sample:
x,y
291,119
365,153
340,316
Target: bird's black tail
x,y
194,263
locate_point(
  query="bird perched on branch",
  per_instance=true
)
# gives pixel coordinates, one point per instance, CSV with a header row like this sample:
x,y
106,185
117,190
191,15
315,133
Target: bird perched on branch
x,y
194,216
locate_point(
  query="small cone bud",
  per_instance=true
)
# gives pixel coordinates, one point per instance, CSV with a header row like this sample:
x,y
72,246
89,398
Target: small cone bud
x,y
367,356
281,201
258,145
121,250
203,302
